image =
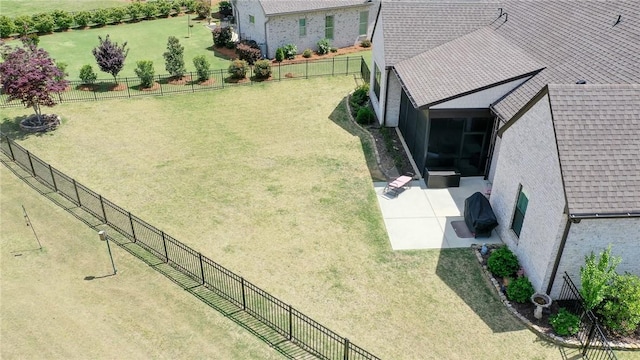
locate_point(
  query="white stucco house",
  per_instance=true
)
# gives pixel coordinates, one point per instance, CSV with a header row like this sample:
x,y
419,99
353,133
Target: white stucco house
x,y
274,23
539,97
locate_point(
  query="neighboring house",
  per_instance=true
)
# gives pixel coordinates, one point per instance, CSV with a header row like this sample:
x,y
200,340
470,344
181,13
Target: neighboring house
x,y
541,98
274,23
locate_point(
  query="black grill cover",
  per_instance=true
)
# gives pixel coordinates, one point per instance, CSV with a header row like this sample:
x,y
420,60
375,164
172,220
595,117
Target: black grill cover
x,y
479,216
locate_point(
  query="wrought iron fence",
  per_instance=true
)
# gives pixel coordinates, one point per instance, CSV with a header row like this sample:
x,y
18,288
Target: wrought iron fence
x,y
279,316
128,87
364,71
594,343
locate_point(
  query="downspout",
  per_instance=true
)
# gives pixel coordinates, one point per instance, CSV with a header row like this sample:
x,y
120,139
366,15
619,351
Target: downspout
x,y
563,242
266,35
386,97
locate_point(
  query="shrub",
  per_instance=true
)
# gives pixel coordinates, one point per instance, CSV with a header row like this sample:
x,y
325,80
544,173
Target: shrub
x,y
307,53
202,67
164,7
190,5
31,39
82,18
365,116
149,10
323,46
361,95
238,69
502,262
279,54
62,66
221,36
43,23
565,323
621,308
230,45
174,57
225,8
596,277
520,290
366,43
176,7
87,75
24,24
101,16
290,51
262,69
63,19
7,27
145,72
117,14
135,10
248,53
333,49
203,8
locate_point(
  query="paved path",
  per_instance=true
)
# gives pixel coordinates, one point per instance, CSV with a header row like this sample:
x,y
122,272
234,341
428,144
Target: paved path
x,y
420,218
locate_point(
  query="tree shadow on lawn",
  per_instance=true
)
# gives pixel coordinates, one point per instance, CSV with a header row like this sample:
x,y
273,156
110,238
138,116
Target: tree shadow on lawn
x,y
10,127
460,270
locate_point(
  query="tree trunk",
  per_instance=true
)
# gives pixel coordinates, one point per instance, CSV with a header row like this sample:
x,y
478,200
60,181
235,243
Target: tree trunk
x,y
36,108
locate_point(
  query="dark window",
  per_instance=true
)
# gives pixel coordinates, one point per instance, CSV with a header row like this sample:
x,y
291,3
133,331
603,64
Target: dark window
x,y
376,80
519,213
328,27
252,19
364,22
302,25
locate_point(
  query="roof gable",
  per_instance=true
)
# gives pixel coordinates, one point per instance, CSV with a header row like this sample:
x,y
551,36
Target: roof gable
x,y
598,134
276,7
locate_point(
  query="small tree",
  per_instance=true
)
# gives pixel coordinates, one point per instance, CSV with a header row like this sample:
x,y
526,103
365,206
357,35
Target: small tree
x,y
225,8
174,57
145,72
110,56
238,69
597,276
7,27
202,67
28,74
203,8
87,75
221,36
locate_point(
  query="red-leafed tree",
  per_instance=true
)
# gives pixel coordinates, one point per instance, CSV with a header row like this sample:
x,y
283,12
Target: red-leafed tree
x,y
28,74
110,56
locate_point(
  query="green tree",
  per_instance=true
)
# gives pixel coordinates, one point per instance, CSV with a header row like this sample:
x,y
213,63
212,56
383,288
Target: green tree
x,y
174,57
202,67
145,72
596,276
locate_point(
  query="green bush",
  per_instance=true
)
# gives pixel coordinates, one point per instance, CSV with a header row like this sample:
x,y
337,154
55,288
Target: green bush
x,y
324,46
82,18
290,51
24,24
31,39
7,27
520,290
149,10
87,75
596,276
262,69
225,8
279,54
361,95
101,17
365,116
502,262
117,14
202,67
176,7
63,19
221,36
230,45
164,8
145,72
365,43
238,69
43,23
620,311
203,8
307,53
333,49
190,5
565,323
135,10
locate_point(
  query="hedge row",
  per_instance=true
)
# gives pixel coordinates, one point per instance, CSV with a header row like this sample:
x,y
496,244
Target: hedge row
x,y
60,20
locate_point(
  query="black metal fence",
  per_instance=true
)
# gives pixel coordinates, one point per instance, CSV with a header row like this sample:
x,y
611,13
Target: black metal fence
x,y
293,325
364,71
218,79
594,343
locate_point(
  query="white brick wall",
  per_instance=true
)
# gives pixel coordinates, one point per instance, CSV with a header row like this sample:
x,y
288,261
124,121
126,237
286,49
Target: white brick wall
x,y
393,100
528,156
255,31
378,59
595,235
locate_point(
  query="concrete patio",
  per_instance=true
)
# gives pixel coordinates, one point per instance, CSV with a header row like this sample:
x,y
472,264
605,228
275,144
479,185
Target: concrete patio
x,y
420,218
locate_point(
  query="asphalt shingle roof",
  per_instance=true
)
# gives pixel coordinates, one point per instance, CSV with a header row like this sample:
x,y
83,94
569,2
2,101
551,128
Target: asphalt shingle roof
x,y
470,62
412,27
598,134
275,7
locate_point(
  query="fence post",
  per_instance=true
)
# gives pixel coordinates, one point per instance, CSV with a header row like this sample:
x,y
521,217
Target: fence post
x,y
279,64
333,66
104,213
346,346
76,189
128,91
290,323
244,300
164,244
53,179
306,69
33,171
589,337
346,71
133,231
95,94
160,83
222,78
192,81
201,268
13,157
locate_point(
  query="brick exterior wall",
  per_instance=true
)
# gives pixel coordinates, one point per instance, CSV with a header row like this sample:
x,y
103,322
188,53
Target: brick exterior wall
x,y
528,156
595,235
393,100
377,58
247,30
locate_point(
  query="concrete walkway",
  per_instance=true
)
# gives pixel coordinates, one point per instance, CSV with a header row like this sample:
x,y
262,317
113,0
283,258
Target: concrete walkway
x,y
420,218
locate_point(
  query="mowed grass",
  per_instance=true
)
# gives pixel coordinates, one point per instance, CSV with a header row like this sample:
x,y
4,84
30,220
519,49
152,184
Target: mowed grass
x,y
13,8
49,311
271,181
146,40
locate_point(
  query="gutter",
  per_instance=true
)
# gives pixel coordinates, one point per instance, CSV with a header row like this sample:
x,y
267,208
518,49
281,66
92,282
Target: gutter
x,y
556,263
266,36
386,97
578,217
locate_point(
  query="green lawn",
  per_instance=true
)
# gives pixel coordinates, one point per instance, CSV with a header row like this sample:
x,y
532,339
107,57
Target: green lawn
x,y
74,47
270,181
50,311
13,8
